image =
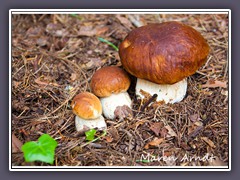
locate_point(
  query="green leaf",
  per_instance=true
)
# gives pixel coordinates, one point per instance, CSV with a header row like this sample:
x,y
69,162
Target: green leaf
x,y
90,135
76,16
143,161
108,42
41,150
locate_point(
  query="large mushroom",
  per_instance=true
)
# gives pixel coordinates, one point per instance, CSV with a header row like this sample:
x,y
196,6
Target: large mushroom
x,y
110,84
88,110
162,56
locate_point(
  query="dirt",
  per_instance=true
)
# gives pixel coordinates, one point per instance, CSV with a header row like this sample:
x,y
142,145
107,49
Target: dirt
x,y
53,59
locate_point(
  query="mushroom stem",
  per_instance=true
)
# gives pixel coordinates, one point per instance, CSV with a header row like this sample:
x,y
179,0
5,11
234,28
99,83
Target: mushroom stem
x,y
110,103
167,93
83,124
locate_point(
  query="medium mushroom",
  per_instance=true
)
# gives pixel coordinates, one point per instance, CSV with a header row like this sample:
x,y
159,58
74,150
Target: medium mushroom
x,y
162,56
88,110
110,84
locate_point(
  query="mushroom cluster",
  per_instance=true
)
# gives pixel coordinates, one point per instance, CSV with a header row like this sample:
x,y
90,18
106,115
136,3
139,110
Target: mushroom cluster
x,y
109,96
162,56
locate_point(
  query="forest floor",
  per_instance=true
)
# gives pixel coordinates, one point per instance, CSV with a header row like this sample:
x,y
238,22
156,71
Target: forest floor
x,y
54,57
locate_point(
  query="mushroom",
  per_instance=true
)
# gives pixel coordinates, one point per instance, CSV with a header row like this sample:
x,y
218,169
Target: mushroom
x,y
88,110
162,56
110,84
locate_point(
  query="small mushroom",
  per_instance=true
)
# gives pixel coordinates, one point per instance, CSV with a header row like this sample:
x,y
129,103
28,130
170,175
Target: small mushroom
x,y
162,56
110,84
88,110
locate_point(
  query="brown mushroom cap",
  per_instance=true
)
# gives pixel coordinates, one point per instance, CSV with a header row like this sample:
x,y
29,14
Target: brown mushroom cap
x,y
109,80
87,106
163,53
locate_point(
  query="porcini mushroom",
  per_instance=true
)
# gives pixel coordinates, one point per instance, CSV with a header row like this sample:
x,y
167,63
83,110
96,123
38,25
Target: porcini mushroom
x,y
110,84
162,56
88,110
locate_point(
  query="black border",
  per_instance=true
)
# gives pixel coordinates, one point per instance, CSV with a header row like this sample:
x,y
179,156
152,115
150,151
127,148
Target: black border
x,y
145,168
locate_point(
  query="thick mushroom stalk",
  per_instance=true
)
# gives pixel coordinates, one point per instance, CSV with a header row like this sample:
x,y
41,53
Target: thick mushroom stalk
x,y
88,110
83,124
110,84
116,105
168,93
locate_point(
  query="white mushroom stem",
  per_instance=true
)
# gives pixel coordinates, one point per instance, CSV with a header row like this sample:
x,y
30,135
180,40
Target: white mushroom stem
x,y
110,103
167,93
83,124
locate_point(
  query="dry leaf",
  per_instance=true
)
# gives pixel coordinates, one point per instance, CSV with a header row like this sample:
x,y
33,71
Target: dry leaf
x,y
101,30
136,20
44,83
139,122
90,31
52,28
198,123
59,123
39,82
16,84
124,21
114,133
193,117
56,30
61,33
156,127
163,132
208,141
154,143
171,132
73,76
208,93
108,139
215,83
16,144
93,62
122,112
224,92
86,31
185,146
43,41
33,32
